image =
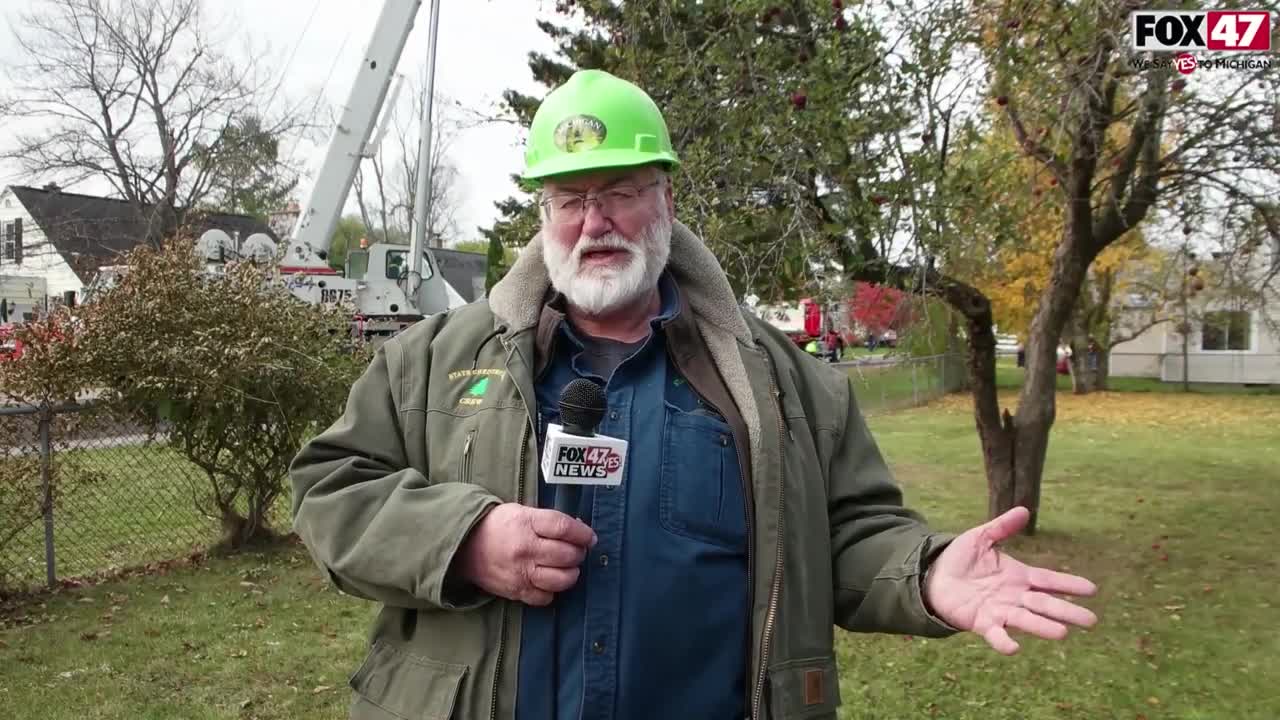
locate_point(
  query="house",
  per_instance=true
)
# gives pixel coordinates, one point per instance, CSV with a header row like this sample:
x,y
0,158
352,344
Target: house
x,y
1230,340
64,237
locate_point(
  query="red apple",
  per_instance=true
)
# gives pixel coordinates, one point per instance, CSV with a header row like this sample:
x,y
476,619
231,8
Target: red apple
x,y
800,100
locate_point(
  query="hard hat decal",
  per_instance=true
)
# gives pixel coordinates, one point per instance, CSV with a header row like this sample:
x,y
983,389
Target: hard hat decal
x,y
579,133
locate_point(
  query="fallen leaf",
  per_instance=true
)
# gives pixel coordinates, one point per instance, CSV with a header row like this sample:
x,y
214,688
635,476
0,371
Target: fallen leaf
x,y
948,677
1208,588
245,703
240,653
1175,608
87,636
164,600
151,632
1153,701
247,584
321,688
85,600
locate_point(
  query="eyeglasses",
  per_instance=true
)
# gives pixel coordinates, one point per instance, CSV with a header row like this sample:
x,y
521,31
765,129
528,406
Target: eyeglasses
x,y
571,208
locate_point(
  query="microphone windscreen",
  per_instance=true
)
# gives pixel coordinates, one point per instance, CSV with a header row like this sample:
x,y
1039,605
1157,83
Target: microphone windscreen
x,y
582,404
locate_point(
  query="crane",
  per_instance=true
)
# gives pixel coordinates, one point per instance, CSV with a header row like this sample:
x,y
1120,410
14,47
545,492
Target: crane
x,y
390,286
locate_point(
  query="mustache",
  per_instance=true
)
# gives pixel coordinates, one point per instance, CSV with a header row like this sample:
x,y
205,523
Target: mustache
x,y
607,242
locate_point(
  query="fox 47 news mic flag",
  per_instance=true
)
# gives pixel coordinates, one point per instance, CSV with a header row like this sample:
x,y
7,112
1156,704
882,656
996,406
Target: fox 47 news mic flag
x,y
573,454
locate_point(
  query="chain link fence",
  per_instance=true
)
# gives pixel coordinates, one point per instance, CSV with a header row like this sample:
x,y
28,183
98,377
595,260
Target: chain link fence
x,y
84,492
887,383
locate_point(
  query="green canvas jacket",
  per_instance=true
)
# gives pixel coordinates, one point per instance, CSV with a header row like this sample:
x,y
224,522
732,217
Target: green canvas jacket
x,y
384,497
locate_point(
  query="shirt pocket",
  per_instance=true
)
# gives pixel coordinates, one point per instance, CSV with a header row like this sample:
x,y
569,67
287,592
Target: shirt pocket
x,y
700,489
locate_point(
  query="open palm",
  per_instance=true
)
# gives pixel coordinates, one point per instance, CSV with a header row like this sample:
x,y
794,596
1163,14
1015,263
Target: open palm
x,y
974,586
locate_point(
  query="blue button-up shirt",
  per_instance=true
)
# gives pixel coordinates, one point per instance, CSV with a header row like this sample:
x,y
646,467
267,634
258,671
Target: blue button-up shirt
x,y
657,624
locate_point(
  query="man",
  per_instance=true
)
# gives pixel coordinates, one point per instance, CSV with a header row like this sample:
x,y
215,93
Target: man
x,y
755,510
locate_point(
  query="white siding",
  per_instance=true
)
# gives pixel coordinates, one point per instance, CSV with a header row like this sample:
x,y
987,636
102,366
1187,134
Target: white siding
x,y
39,257
1157,353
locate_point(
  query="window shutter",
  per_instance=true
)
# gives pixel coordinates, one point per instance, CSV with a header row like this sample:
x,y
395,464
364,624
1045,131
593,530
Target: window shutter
x,y
17,241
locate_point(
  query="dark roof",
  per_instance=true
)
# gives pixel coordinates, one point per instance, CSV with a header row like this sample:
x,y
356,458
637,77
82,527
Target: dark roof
x,y
90,231
461,269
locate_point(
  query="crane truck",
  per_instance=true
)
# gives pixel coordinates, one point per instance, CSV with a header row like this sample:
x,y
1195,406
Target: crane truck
x,y
389,286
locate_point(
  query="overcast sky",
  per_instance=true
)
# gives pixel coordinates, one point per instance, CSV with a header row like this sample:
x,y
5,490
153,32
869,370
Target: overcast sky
x,y
488,39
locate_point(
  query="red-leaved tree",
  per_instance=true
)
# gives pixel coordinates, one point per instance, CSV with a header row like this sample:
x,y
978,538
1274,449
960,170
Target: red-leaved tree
x,y
876,307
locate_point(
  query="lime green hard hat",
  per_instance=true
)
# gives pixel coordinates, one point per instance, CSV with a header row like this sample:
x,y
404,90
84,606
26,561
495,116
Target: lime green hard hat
x,y
596,121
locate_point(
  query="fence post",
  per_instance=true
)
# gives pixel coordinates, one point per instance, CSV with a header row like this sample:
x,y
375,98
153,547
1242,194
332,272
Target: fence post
x,y
915,386
46,482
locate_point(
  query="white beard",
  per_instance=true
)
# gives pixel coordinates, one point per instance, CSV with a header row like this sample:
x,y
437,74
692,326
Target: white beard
x,y
598,290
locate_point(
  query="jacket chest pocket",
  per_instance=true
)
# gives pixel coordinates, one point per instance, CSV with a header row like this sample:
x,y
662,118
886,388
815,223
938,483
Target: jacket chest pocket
x,y
482,449
700,490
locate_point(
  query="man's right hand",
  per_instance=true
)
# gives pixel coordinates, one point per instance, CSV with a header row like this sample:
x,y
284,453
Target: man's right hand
x,y
524,554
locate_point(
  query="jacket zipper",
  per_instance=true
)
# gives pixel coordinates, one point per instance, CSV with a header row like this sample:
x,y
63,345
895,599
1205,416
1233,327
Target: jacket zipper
x,y
771,615
502,628
466,457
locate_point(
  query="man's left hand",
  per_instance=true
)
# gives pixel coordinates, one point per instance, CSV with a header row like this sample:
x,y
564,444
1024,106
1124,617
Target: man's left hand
x,y
974,586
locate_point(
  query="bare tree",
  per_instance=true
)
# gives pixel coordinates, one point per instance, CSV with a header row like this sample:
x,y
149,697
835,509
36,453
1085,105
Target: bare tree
x,y
137,93
386,185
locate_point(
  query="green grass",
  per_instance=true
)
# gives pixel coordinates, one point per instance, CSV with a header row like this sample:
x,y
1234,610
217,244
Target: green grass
x,y
1187,628
1173,519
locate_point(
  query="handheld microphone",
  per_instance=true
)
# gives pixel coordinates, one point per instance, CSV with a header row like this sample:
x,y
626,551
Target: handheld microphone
x,y
574,455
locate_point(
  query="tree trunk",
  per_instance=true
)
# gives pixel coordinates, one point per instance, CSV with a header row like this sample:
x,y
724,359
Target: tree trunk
x,y
1104,369
239,533
1037,401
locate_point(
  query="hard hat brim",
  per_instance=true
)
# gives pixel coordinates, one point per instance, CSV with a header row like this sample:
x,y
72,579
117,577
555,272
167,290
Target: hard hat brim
x,y
597,160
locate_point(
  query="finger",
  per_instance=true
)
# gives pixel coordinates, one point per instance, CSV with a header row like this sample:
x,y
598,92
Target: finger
x,y
536,597
557,553
1058,609
1006,525
1056,582
555,525
553,579
997,638
1042,627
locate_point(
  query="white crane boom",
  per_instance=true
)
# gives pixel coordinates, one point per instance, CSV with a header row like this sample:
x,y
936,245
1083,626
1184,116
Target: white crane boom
x,y
318,219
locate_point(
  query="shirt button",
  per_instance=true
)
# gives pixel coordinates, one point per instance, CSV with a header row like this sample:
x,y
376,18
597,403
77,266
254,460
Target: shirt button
x,y
604,559
597,647
724,441
613,414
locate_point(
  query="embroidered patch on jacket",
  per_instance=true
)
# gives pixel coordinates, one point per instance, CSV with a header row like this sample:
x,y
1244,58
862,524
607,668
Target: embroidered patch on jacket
x,y
479,383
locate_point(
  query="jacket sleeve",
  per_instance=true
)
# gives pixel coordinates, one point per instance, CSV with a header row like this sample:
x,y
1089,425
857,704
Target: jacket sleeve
x,y
880,549
379,528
